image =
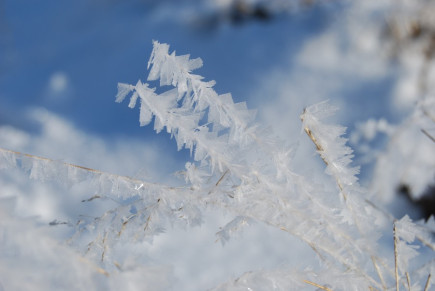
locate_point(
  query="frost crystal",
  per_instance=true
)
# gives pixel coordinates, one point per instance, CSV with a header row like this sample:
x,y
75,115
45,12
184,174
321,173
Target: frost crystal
x,y
330,143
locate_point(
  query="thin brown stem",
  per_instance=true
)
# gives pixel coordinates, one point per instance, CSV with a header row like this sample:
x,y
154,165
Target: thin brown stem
x,y
320,149
426,287
69,165
428,135
396,267
378,271
317,285
408,281
222,177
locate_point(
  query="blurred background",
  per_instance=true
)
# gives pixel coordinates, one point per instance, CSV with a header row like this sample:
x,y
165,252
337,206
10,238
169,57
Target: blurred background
x,y
60,62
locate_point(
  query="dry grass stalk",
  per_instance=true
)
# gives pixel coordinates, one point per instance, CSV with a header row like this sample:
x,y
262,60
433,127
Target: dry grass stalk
x,y
317,285
96,268
124,224
104,247
426,243
69,165
428,135
378,271
339,184
408,281
320,149
426,287
147,223
396,267
222,177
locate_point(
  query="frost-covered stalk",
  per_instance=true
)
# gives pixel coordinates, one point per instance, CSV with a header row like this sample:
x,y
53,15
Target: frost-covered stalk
x,y
407,234
198,99
128,204
240,168
258,180
332,148
337,156
330,145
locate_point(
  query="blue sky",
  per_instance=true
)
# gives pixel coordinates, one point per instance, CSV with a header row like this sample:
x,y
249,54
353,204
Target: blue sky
x,y
90,46
96,44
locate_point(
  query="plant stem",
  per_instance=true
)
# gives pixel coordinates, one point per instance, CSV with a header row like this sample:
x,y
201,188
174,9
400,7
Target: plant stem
x,y
396,267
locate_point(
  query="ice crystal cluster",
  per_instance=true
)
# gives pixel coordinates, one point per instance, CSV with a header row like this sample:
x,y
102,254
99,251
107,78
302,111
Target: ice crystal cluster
x,y
238,167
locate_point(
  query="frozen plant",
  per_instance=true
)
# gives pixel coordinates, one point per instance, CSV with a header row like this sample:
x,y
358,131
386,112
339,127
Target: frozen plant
x,y
241,168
